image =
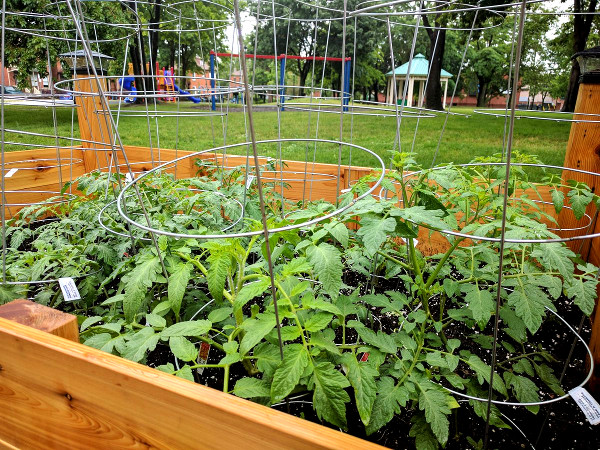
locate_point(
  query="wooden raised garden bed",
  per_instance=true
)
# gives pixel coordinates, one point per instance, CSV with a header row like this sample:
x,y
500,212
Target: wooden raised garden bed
x,y
56,393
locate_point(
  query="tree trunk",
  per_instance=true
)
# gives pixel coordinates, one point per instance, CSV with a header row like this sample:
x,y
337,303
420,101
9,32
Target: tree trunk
x,y
433,93
582,24
138,69
303,70
183,71
154,26
172,55
482,93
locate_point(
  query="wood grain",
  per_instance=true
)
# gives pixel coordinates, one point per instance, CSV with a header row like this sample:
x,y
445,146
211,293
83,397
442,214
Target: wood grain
x,y
94,124
583,152
41,318
320,183
56,393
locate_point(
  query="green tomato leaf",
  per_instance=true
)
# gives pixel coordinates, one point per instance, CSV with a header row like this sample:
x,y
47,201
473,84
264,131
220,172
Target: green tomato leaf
x,y
250,291
525,390
252,388
380,340
434,401
220,314
329,397
178,281
325,340
296,266
583,293
291,368
579,200
388,401
188,328
362,378
318,321
89,322
374,231
220,264
529,302
558,199
546,374
183,349
155,320
186,373
327,263
480,303
256,329
421,431
482,370
309,301
141,342
339,231
421,215
555,256
137,283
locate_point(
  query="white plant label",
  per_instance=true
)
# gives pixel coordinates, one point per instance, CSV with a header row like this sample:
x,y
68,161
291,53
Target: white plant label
x,y
587,404
69,290
10,173
128,178
249,182
416,242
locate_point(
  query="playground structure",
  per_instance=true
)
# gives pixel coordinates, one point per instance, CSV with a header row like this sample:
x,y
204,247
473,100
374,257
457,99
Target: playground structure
x,y
281,87
165,83
166,88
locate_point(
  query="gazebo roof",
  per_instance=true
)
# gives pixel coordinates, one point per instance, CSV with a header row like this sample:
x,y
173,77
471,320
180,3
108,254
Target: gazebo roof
x,y
419,67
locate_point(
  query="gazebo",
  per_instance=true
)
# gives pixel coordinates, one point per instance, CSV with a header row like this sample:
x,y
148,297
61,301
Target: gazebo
x,y
418,72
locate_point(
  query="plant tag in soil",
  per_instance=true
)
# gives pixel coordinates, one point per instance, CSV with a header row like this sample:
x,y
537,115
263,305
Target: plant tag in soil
x,y
10,173
203,356
249,181
69,290
128,177
587,404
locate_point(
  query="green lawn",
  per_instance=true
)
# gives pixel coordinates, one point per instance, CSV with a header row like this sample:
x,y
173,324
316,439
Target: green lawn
x,y
464,137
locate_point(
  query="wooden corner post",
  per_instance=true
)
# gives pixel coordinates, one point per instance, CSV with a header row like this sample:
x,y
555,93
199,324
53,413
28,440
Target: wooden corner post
x,y
41,318
583,152
94,124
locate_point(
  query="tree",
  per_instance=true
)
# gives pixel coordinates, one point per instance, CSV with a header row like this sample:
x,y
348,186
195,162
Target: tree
x,y
304,36
191,36
293,37
30,52
437,37
168,42
437,41
537,65
489,66
582,25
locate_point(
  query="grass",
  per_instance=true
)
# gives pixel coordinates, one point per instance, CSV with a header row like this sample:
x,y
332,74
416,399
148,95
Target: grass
x,y
463,139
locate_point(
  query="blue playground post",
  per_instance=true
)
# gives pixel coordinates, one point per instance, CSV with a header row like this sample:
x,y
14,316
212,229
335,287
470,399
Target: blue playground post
x,y
347,84
212,81
282,80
